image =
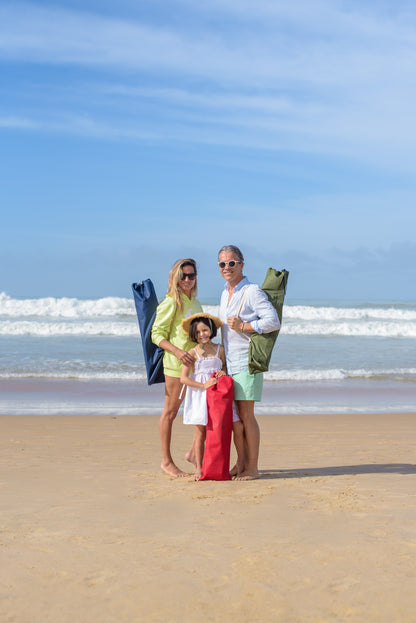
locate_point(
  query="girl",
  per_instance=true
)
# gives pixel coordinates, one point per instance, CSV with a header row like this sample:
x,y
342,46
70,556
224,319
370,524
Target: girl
x,y
210,358
167,333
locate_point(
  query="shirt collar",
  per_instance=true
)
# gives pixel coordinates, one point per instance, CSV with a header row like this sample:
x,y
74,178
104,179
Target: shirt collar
x,y
239,285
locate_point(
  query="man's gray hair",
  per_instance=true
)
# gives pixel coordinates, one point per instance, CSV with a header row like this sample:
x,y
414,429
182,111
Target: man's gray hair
x,y
230,248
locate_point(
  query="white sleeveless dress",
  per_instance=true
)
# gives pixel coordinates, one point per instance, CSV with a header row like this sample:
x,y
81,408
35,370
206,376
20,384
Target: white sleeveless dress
x,y
195,403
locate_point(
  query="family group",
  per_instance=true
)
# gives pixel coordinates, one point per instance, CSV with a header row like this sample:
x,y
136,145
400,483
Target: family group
x,y
192,359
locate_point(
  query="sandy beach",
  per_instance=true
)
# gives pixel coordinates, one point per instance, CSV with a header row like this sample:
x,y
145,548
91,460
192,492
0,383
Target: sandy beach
x,y
93,531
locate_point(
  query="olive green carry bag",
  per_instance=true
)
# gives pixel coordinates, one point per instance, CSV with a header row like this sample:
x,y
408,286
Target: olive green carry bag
x,y
261,344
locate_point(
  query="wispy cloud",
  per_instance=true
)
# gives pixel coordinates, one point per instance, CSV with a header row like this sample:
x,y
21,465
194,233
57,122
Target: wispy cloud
x,y
313,76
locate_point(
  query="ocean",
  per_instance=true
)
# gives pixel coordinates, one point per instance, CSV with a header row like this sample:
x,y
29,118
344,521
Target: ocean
x,y
74,356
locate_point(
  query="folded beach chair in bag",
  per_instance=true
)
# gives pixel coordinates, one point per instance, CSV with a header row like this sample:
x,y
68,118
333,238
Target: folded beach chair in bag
x,y
261,344
146,302
216,463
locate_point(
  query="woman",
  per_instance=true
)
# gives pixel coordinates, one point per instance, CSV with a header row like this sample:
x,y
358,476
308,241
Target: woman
x,y
179,303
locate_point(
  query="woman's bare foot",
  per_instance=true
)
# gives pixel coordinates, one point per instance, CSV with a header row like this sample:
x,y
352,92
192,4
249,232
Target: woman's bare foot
x,y
247,475
190,457
171,470
197,475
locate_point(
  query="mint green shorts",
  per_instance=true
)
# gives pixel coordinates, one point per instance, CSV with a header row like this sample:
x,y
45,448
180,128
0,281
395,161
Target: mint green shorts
x,y
248,386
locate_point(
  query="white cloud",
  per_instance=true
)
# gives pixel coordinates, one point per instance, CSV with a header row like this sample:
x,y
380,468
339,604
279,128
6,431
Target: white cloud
x,y
316,76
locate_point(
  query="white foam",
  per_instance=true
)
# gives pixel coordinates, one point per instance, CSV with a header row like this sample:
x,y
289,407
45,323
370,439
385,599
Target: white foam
x,y
115,316
77,375
66,307
335,374
51,329
338,314
352,329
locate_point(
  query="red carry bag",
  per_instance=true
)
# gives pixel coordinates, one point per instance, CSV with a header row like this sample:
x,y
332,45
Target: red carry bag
x,y
216,463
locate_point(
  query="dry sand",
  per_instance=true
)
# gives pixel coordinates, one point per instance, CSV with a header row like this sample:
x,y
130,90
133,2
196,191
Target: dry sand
x,y
92,531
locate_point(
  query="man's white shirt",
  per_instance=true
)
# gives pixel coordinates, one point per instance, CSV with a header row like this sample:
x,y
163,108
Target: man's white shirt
x,y
256,309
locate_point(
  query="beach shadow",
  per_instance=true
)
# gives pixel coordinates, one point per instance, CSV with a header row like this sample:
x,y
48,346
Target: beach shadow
x,y
340,470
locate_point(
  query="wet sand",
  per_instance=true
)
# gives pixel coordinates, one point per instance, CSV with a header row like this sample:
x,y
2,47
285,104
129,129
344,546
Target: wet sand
x,y
92,531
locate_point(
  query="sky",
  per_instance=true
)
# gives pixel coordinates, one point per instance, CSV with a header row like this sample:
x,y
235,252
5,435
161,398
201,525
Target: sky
x,y
137,132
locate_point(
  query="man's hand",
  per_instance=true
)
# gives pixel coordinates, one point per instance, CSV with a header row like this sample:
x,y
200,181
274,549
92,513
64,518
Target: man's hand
x,y
235,322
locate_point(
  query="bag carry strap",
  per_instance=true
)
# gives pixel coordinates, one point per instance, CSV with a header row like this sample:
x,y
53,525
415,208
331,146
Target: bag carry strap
x,y
242,300
239,309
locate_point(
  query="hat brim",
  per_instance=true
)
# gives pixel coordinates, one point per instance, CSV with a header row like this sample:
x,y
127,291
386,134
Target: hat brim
x,y
186,323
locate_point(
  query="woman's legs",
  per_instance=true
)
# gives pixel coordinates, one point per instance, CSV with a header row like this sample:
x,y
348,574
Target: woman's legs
x,y
173,388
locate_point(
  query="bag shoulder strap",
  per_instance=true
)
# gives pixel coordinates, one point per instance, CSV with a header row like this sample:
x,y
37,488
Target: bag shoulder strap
x,y
242,300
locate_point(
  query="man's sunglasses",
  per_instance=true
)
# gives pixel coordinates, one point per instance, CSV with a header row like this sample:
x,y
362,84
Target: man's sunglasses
x,y
190,276
231,263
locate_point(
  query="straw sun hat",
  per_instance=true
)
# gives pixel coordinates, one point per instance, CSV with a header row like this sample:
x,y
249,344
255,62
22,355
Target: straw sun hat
x,y
186,323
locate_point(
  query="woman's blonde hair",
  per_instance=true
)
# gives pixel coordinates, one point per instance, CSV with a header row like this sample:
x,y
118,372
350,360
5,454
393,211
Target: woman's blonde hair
x,y
174,277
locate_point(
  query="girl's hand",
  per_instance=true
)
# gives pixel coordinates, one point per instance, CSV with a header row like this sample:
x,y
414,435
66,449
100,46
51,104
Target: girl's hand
x,y
210,382
219,373
185,358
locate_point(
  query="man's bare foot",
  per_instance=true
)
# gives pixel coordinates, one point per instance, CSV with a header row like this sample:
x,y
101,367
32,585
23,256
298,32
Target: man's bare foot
x,y
189,456
236,470
171,470
247,475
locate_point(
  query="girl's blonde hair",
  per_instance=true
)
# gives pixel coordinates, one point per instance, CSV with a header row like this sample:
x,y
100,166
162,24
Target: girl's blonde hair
x,y
174,277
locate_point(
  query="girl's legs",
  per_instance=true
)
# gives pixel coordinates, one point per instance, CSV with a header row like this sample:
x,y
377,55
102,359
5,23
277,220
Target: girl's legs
x,y
172,403
190,455
199,442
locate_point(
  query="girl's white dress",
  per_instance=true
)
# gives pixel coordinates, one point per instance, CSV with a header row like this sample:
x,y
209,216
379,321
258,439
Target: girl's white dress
x,y
195,403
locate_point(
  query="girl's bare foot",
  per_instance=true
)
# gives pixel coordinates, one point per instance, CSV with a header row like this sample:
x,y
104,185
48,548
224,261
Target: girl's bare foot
x,y
190,457
197,475
171,470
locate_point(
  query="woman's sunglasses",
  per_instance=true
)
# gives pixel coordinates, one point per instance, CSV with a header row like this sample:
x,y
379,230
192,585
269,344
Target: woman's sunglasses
x,y
190,276
231,263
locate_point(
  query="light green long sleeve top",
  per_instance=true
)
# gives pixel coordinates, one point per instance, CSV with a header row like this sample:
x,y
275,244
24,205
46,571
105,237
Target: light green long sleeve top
x,y
167,325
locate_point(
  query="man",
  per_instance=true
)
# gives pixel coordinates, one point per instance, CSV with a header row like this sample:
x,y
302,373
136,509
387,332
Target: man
x,y
244,309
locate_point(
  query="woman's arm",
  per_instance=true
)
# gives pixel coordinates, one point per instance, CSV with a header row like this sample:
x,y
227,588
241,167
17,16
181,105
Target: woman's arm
x,y
161,329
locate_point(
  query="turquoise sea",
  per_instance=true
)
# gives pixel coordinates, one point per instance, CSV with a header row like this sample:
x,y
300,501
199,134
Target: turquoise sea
x,y
74,356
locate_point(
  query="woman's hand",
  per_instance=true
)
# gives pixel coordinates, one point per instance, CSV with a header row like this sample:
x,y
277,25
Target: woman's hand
x,y
210,382
185,358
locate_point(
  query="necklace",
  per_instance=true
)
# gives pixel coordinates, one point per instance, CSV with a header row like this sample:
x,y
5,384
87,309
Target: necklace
x,y
204,347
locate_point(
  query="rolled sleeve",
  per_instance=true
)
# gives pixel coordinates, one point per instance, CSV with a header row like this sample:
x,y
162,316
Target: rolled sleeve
x,y
267,318
164,316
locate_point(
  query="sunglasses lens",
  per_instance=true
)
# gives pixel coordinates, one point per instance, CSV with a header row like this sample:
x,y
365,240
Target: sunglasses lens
x,y
190,276
231,264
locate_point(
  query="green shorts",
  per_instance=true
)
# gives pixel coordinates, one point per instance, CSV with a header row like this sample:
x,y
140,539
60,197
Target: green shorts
x,y
248,386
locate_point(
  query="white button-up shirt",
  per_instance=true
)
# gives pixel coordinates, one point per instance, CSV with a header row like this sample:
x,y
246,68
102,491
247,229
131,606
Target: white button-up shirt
x,y
256,309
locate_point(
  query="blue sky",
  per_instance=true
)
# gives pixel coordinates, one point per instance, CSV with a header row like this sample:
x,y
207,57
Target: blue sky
x,y
133,133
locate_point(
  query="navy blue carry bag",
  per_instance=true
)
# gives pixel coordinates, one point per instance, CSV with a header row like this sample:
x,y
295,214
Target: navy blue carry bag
x,y
146,303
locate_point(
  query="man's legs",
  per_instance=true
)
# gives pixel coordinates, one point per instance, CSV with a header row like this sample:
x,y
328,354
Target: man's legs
x,y
240,446
245,410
